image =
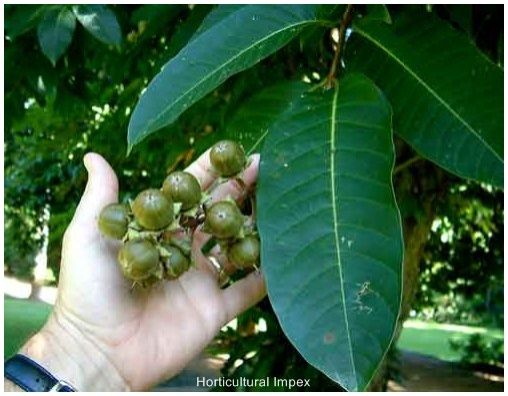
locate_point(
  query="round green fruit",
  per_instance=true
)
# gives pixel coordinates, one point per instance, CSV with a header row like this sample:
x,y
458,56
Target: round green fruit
x,y
245,252
227,158
223,219
182,187
176,264
138,259
113,220
152,209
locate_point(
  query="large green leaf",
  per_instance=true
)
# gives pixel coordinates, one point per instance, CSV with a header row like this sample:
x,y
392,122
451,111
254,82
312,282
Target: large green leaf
x,y
223,11
330,228
100,21
55,32
216,16
446,95
235,42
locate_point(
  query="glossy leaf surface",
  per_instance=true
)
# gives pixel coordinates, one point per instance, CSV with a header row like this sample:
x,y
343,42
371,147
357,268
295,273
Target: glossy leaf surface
x,y
447,99
330,228
240,38
55,32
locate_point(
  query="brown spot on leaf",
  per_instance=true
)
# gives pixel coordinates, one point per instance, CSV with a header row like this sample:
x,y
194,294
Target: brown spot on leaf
x,y
329,337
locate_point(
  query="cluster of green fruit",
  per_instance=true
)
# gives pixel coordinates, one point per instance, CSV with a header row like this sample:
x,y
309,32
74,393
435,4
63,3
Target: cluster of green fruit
x,y
157,227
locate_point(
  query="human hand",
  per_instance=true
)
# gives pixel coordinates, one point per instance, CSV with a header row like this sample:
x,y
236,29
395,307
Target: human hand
x,y
102,335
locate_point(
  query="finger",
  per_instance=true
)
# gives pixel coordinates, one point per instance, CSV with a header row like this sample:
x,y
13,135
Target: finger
x,y
101,189
231,188
202,170
202,262
227,266
235,189
243,294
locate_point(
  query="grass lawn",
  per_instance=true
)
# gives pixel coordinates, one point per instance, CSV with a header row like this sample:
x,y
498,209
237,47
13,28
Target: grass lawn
x,y
22,318
433,338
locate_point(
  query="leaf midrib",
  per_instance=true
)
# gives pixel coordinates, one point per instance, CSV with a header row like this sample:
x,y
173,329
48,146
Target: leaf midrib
x,y
336,224
184,95
428,88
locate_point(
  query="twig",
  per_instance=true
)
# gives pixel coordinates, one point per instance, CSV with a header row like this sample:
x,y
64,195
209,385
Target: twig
x,y
406,164
344,23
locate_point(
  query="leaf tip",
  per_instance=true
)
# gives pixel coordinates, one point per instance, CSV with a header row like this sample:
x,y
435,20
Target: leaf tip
x,y
52,59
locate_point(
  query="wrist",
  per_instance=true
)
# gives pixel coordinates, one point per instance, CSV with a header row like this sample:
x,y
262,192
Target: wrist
x,y
68,355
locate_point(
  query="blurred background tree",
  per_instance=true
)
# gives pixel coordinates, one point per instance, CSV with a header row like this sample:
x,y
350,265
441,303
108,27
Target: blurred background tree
x,y
54,114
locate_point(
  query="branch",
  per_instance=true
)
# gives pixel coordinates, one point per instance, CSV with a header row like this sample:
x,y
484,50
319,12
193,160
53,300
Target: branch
x,y
406,164
346,20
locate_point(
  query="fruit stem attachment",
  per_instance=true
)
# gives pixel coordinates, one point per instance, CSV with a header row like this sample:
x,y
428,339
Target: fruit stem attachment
x,y
344,23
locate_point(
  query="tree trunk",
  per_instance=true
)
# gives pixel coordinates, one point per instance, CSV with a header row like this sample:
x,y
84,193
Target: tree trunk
x,y
35,293
415,237
419,188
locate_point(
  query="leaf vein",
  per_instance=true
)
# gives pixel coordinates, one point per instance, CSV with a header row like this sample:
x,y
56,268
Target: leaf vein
x,y
335,224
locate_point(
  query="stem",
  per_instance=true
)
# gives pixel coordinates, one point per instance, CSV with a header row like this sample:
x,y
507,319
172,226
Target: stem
x,y
406,164
344,23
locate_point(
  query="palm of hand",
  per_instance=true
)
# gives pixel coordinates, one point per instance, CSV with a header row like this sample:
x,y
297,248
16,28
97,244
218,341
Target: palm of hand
x,y
148,335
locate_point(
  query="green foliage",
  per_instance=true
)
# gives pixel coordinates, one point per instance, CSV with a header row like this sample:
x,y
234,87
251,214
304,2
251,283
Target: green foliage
x,y
468,224
20,243
236,71
251,121
477,349
19,20
58,22
378,12
233,39
435,91
100,22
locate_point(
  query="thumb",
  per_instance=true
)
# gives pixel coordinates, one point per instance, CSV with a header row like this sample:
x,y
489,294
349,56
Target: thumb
x,y
101,189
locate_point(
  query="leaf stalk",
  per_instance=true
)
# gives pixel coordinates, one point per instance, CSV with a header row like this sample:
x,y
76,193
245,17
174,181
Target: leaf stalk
x,y
345,22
